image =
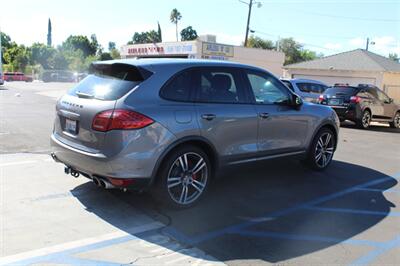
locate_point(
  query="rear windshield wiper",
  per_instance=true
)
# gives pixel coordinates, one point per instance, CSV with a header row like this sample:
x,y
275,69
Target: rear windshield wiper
x,y
84,95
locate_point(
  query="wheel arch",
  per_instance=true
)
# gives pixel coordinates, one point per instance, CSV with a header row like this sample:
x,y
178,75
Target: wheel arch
x,y
197,141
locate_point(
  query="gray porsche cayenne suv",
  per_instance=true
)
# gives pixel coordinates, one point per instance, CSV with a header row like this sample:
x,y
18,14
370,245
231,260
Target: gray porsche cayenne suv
x,y
170,124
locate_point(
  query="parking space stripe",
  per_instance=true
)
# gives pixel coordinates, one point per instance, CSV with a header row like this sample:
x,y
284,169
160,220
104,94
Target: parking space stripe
x,y
390,190
301,237
279,213
76,244
371,256
353,211
17,163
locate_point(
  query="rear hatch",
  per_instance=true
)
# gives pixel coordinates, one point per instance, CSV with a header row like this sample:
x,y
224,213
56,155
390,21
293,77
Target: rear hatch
x,y
338,96
98,92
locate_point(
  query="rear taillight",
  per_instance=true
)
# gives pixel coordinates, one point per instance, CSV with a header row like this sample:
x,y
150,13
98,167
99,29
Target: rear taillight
x,y
321,98
355,99
120,119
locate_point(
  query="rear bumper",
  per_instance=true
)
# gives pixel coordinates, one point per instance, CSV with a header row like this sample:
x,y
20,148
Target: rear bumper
x,y
348,113
96,165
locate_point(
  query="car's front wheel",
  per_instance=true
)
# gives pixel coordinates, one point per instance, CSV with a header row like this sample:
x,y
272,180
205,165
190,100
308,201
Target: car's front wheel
x,y
183,177
396,121
322,148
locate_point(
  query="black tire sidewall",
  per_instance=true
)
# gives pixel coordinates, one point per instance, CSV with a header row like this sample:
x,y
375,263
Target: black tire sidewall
x,y
360,123
160,190
393,124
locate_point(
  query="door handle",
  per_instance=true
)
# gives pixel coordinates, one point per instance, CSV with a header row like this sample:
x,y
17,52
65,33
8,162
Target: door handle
x,y
208,117
263,115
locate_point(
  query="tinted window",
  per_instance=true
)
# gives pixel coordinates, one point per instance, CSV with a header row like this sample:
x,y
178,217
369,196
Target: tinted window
x,y
288,84
311,87
108,82
218,85
178,89
341,91
266,89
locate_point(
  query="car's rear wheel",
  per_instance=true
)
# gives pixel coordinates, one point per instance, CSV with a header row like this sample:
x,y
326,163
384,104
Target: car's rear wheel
x,y
365,120
322,148
396,121
183,177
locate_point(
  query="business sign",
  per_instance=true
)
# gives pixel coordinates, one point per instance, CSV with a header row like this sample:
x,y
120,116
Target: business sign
x,y
159,49
215,49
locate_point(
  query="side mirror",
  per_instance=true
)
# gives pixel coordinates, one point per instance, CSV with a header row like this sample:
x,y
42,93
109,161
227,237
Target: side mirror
x,y
297,101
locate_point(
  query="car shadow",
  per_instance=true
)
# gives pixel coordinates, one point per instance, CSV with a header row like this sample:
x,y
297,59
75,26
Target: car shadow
x,y
271,211
373,127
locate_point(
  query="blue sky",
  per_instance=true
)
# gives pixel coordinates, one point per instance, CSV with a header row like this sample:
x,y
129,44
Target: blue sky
x,y
324,25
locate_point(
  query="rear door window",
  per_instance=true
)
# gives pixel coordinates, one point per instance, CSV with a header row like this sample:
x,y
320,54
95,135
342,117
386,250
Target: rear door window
x,y
219,85
179,88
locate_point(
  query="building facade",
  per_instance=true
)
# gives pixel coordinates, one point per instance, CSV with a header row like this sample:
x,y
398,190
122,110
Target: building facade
x,y
271,61
353,67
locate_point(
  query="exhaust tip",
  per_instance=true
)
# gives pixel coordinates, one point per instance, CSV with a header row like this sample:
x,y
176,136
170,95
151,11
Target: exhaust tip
x,y
96,181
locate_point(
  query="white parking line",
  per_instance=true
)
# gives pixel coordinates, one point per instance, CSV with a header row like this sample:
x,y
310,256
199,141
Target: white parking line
x,y
79,243
17,163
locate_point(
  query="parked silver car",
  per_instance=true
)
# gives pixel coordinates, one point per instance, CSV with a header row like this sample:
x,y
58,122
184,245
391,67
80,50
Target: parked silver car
x,y
171,124
308,89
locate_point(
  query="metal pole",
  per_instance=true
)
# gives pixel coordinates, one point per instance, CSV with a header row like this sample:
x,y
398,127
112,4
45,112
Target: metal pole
x,y
366,48
248,23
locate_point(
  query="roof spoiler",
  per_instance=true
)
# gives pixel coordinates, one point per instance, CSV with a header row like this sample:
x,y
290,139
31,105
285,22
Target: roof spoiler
x,y
120,71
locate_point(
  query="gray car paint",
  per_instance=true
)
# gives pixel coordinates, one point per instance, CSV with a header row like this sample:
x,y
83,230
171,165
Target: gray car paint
x,y
237,135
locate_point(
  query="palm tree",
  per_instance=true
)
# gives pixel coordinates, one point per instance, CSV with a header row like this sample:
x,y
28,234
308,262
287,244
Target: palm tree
x,y
175,17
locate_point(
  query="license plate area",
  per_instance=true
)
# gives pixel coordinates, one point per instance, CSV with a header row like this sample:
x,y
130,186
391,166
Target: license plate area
x,y
335,101
71,126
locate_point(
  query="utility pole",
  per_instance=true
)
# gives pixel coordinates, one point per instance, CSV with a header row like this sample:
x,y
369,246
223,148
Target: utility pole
x,y
368,43
250,4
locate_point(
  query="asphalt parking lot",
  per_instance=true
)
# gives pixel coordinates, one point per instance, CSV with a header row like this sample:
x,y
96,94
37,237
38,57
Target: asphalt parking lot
x,y
277,212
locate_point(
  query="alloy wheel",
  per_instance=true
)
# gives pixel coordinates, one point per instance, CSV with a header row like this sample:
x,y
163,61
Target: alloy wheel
x,y
324,150
396,120
187,178
366,119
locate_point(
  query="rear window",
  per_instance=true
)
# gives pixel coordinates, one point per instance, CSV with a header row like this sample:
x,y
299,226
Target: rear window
x,y
341,90
109,81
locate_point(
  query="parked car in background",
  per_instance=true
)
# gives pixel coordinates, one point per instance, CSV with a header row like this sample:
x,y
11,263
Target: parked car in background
x,y
308,89
362,104
16,76
133,124
1,79
58,76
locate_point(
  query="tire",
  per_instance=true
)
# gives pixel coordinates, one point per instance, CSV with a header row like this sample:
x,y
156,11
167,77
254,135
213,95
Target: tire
x,y
396,121
181,185
322,149
365,120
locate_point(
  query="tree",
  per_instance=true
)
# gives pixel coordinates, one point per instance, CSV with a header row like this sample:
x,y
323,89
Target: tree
x,y
394,57
105,56
159,32
188,34
111,46
42,54
115,54
257,42
49,42
6,43
174,17
145,37
82,43
17,57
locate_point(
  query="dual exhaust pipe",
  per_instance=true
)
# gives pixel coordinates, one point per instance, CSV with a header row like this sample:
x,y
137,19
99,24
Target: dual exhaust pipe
x,y
97,181
102,183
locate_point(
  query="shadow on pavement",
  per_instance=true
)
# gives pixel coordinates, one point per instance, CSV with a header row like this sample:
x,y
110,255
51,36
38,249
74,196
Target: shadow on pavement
x,y
265,211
